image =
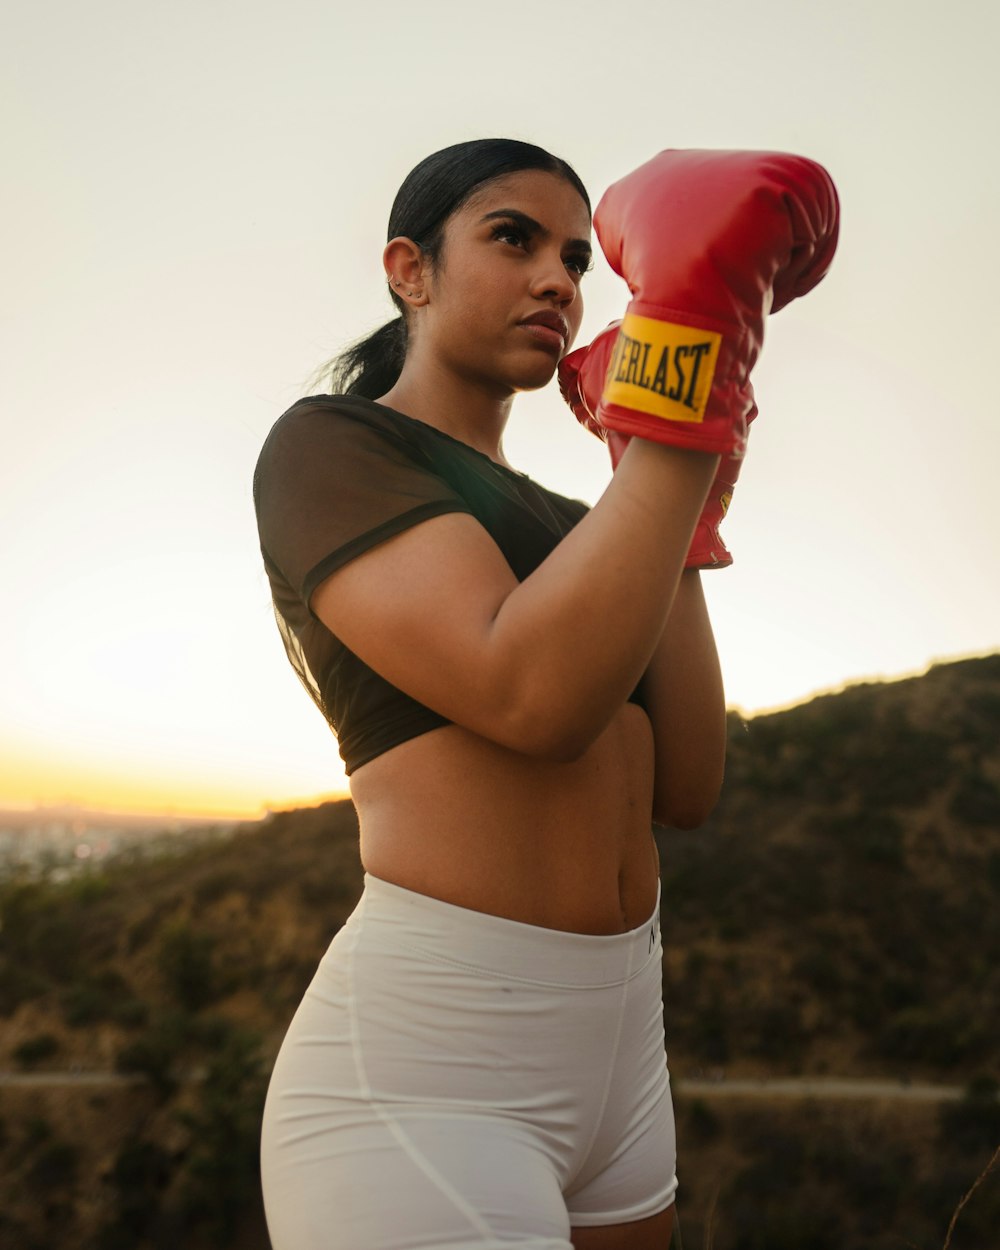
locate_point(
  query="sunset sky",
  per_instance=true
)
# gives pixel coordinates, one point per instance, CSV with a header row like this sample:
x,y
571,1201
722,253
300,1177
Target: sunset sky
x,y
194,204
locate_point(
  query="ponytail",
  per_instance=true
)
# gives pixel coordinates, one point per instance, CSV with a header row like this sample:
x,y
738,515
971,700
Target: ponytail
x,y
370,367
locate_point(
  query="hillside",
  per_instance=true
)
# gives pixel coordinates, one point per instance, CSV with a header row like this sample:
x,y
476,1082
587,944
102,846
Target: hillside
x,y
839,910
837,915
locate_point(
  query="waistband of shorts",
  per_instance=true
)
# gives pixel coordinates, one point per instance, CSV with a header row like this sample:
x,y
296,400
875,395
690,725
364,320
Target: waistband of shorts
x,y
499,947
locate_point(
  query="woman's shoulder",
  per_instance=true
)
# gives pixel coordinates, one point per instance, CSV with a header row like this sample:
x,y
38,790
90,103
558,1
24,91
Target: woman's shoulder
x,y
323,425
333,410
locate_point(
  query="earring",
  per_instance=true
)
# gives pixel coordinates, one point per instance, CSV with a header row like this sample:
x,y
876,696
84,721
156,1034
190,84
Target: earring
x,y
396,283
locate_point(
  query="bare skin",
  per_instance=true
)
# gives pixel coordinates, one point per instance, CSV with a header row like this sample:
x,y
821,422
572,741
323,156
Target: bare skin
x,y
536,802
653,1233
564,845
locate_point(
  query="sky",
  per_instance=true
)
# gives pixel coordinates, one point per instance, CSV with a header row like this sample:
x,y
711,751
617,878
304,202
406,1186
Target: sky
x,y
194,203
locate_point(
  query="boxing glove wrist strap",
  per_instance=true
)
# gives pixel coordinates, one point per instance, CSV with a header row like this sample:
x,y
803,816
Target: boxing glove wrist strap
x,y
661,367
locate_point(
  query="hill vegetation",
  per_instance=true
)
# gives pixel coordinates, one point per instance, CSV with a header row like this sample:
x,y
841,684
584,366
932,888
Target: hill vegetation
x,y
838,915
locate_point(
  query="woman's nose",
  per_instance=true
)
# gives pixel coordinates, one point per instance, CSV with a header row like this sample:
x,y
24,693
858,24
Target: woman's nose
x,y
553,281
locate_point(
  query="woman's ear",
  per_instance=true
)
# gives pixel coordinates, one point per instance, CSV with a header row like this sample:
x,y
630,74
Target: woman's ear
x,y
405,270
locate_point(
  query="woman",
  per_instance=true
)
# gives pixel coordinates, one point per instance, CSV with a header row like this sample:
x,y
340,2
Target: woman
x,y
519,686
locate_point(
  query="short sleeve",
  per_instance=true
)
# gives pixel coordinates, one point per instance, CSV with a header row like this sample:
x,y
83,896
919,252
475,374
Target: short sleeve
x,y
331,483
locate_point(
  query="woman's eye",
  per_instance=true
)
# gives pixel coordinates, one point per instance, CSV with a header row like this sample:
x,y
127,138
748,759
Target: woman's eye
x,y
508,233
580,264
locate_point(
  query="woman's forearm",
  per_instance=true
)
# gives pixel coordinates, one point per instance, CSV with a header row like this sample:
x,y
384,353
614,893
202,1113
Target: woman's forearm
x,y
575,637
683,693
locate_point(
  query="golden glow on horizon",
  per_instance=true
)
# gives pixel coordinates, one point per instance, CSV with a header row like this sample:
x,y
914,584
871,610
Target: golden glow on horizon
x,y
30,781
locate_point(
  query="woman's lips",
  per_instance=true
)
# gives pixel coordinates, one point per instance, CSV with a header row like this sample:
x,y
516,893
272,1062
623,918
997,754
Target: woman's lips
x,y
545,335
549,328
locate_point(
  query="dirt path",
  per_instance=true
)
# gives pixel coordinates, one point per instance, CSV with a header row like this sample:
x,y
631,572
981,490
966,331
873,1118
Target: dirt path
x,y
816,1087
770,1087
51,1079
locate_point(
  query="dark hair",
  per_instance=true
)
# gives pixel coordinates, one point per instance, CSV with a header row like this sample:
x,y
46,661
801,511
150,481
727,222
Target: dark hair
x,y
430,193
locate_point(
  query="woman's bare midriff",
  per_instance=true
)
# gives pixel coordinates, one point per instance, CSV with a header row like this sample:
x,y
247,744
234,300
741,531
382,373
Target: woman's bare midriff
x,y
564,846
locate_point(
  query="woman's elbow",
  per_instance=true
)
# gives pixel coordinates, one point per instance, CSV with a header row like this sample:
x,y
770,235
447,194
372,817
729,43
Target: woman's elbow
x,y
545,730
553,740
685,818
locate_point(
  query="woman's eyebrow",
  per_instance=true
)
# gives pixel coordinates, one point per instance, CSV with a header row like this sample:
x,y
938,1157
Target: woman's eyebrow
x,y
532,227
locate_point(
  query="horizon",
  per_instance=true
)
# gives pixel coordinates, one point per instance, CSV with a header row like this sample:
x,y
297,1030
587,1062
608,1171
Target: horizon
x,y
59,802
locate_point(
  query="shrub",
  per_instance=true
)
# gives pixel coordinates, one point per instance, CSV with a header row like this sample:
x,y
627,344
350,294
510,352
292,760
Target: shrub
x,y
972,1126
932,1035
222,1165
155,1054
977,1225
873,1172
87,888
984,1087
899,991
710,1033
186,964
215,885
93,998
140,1175
130,1012
976,801
18,985
702,1124
54,1167
875,835
770,1204
774,1030
36,1130
33,1049
39,935
982,723
818,968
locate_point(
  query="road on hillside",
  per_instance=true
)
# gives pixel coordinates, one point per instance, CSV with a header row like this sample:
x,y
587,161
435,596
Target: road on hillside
x,y
684,1087
53,1079
816,1087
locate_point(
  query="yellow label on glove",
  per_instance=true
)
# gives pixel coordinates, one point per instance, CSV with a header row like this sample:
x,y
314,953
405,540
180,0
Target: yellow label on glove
x,y
662,368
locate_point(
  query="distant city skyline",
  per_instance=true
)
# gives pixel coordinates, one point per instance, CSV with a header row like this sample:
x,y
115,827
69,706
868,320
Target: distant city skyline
x,y
58,843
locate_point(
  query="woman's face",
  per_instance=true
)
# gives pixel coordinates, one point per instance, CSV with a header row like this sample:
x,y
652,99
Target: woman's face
x,y
503,303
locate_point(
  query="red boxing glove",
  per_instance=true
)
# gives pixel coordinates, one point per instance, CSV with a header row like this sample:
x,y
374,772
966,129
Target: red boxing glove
x,y
707,550
581,380
709,243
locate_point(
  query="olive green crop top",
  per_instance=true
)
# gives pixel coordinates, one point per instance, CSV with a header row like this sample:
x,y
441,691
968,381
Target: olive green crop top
x,y
338,475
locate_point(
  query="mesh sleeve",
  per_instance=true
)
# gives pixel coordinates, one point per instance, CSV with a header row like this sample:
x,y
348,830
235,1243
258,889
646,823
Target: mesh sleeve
x,y
330,485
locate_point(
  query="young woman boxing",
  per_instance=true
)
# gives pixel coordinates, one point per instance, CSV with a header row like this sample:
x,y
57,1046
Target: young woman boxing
x,y
520,685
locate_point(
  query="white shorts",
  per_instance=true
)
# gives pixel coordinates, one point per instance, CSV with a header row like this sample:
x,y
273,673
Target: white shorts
x,y
455,1079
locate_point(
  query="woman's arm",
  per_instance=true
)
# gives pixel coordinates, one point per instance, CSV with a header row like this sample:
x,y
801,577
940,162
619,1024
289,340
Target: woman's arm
x,y
682,690
539,666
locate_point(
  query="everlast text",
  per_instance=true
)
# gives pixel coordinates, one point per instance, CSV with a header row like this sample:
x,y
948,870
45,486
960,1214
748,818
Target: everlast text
x,y
663,368
674,375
